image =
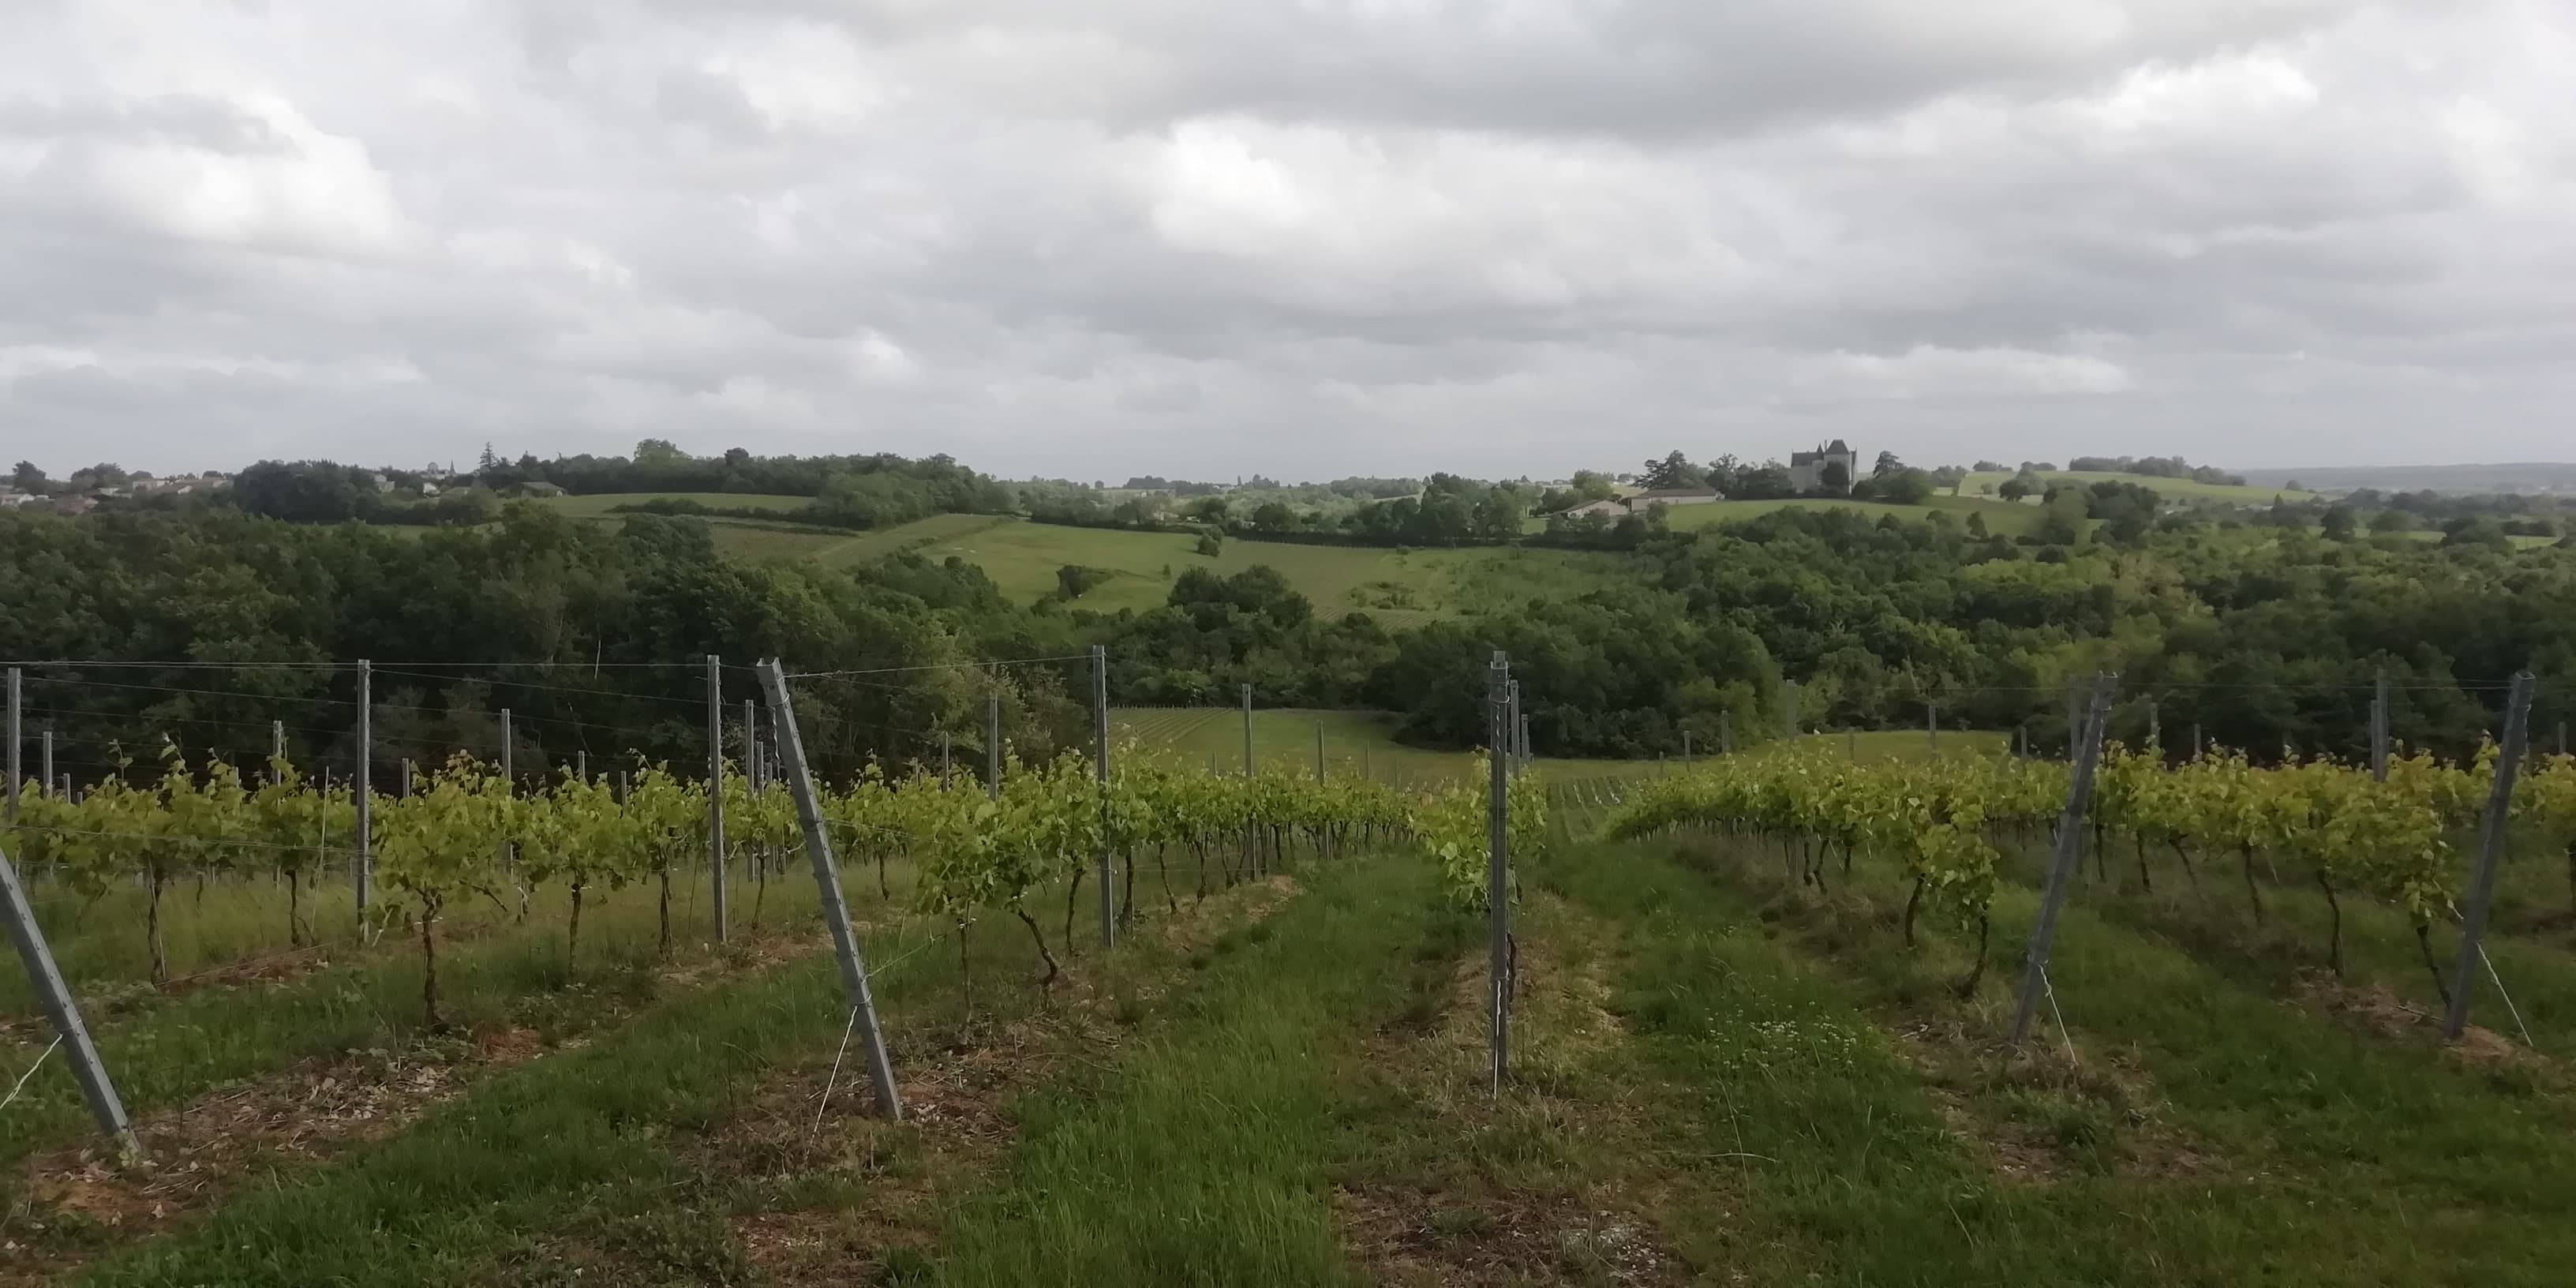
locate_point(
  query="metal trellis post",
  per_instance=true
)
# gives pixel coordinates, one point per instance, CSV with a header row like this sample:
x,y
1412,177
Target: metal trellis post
x,y
1251,843
38,957
509,785
715,794
2379,730
993,745
1498,915
366,786
2087,743
827,882
1100,770
16,768
2491,834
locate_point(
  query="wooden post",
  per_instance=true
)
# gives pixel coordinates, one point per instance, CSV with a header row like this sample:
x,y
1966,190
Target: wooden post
x,y
1319,751
38,957
2070,852
1726,733
2491,834
827,883
943,760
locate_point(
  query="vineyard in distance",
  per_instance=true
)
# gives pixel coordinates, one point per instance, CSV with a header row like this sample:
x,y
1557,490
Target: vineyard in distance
x,y
1758,1007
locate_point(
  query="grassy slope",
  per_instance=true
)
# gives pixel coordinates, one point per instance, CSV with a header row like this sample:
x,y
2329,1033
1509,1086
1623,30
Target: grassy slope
x,y
1396,586
2001,516
603,504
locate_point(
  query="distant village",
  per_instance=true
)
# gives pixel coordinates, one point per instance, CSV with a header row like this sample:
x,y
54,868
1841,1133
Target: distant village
x,y
85,490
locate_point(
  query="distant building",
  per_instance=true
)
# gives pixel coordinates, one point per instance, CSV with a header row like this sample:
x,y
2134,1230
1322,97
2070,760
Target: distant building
x,y
1621,506
1807,469
540,488
1675,496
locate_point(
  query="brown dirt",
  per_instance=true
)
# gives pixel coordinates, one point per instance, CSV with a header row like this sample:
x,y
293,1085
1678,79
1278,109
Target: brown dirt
x,y
202,1152
65,1201
1421,1239
2373,1008
1968,1075
1451,1221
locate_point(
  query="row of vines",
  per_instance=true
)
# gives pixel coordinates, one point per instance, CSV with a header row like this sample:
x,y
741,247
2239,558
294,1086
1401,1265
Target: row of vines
x,y
465,834
2348,833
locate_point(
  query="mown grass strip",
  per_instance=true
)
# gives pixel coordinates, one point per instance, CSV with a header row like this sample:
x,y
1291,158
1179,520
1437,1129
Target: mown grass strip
x,y
575,1142
2334,1157
166,1051
1205,1156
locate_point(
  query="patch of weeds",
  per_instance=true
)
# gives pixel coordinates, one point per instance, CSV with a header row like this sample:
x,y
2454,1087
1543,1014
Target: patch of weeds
x,y
904,1268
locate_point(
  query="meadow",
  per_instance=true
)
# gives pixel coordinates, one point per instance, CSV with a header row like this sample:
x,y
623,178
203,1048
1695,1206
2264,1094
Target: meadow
x,y
1981,484
1399,587
2001,517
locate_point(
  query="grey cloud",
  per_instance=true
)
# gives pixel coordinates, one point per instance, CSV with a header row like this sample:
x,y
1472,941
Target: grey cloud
x,y
1297,236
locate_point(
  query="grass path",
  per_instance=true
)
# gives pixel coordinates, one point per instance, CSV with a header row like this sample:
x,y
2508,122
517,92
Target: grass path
x,y
1205,1156
2203,1130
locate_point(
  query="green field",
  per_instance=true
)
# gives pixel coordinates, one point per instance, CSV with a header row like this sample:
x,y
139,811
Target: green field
x,y
1975,485
603,505
2002,517
1398,587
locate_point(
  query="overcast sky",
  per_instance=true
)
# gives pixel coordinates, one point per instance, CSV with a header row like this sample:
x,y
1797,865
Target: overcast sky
x,y
1302,237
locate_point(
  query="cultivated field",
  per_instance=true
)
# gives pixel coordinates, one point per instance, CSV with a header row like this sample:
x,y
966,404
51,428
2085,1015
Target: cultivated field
x,y
2001,516
603,505
1727,1065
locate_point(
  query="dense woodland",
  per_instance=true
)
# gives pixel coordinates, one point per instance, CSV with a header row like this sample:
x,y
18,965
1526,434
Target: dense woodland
x,y
2265,635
